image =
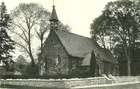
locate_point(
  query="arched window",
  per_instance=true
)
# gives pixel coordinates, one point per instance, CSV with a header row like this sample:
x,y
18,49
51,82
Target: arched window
x,y
58,60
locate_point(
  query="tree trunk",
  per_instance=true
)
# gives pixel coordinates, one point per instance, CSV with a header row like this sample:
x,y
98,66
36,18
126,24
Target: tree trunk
x,y
31,56
129,66
41,46
129,54
128,60
29,44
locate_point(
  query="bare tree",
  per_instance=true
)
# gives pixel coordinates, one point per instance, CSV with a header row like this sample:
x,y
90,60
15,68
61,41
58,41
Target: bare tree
x,y
26,19
40,35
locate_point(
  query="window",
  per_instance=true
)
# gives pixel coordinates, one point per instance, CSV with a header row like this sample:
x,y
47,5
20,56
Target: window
x,y
57,60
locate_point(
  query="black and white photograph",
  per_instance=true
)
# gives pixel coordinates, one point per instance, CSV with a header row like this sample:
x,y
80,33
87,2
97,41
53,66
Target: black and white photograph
x,y
69,44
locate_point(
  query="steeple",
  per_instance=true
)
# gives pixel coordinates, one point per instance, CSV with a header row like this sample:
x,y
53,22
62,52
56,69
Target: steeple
x,y
54,15
54,20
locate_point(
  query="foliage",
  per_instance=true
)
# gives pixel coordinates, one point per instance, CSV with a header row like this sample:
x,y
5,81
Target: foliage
x,y
63,27
32,71
21,65
119,25
6,43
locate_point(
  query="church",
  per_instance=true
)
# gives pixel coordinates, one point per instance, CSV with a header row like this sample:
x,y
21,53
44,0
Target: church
x,y
69,54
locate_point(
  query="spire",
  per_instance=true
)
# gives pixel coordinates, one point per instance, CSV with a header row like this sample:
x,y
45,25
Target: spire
x,y
54,15
54,19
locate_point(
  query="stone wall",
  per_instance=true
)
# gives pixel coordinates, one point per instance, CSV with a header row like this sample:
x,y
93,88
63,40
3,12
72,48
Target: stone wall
x,y
55,56
70,83
130,85
33,83
76,68
52,83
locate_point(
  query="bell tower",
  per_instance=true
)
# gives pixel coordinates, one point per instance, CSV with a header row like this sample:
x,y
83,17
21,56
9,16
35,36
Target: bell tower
x,y
54,19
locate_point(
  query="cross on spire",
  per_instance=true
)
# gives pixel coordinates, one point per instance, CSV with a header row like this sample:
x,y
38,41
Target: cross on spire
x,y
53,3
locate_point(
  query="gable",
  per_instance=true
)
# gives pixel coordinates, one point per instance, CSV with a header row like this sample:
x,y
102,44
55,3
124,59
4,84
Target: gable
x,y
53,43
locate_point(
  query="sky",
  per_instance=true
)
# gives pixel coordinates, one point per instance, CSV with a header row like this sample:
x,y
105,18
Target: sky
x,y
78,14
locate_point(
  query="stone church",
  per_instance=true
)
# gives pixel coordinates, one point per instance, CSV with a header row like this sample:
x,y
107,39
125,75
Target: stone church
x,y
69,54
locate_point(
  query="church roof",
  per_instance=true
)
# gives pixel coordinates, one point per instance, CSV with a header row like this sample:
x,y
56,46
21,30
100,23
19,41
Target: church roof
x,y
79,46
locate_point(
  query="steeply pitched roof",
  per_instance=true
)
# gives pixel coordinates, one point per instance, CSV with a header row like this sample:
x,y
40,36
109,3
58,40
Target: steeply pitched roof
x,y
79,46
